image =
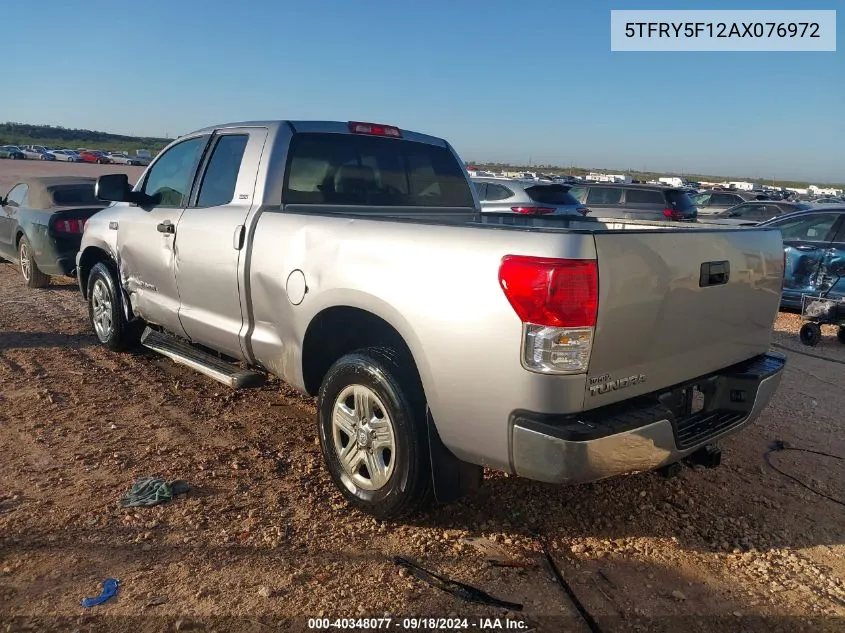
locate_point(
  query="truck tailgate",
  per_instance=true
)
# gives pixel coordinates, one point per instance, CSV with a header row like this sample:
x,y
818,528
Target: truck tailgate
x,y
667,313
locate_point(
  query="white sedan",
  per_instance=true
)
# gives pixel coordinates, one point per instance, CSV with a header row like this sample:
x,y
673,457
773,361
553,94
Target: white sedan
x,y
122,158
67,155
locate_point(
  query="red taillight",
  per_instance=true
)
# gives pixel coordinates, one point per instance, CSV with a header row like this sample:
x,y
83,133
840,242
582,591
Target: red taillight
x,y
672,214
71,227
374,129
533,210
582,210
551,292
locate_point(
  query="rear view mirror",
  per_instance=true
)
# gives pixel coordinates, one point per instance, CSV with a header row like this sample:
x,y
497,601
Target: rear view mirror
x,y
113,188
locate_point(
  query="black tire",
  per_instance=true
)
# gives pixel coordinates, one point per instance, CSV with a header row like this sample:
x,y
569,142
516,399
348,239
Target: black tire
x,y
810,334
32,275
388,375
840,334
105,299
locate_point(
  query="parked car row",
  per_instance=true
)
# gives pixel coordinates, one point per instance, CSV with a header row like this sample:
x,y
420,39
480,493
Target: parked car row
x,y
438,339
82,155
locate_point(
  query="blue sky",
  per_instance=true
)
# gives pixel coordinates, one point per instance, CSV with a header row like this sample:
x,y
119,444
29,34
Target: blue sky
x,y
503,81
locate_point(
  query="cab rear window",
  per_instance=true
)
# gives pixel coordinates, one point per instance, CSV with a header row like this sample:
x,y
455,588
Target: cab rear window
x,y
351,169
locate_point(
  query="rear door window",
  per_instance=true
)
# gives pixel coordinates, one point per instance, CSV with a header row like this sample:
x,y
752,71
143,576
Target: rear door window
x,y
604,195
498,192
551,194
579,192
724,200
221,175
351,169
644,196
701,199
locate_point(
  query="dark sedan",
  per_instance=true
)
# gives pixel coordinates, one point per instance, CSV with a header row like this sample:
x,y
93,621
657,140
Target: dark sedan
x,y
41,224
12,151
755,212
814,245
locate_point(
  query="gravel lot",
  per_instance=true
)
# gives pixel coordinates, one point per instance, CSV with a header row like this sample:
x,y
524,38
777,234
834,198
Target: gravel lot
x,y
265,538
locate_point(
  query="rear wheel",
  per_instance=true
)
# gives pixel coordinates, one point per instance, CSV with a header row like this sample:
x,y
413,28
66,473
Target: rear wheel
x,y
105,311
373,435
810,334
840,334
32,275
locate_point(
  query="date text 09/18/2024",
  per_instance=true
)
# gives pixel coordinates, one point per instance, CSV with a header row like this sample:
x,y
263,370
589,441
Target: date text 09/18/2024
x,y
485,624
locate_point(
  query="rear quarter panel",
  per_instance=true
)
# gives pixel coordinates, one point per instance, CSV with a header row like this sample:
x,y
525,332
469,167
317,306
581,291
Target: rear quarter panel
x,y
438,287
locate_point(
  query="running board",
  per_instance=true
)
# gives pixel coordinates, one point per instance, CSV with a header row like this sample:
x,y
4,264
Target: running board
x,y
203,362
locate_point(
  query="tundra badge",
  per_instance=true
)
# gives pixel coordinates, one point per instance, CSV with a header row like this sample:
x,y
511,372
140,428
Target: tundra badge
x,y
605,383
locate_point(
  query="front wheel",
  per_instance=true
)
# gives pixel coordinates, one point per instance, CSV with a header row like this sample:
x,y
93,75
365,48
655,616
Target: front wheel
x,y
105,311
373,435
810,334
32,275
840,334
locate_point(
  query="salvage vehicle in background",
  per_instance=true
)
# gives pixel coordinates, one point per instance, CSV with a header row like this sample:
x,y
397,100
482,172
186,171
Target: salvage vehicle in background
x,y
12,151
41,224
715,201
754,212
636,201
814,252
352,260
500,195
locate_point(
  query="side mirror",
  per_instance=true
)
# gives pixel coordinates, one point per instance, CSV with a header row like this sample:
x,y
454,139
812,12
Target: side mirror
x,y
113,188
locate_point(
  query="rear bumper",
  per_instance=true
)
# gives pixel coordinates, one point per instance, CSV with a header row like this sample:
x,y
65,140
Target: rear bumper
x,y
642,434
63,265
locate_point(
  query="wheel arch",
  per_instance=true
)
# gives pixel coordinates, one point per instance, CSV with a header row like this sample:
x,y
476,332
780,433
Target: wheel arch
x,y
338,330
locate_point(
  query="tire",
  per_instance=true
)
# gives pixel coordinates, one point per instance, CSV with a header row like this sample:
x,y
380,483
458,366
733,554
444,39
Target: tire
x,y
43,158
379,381
105,312
840,334
100,161
810,334
32,275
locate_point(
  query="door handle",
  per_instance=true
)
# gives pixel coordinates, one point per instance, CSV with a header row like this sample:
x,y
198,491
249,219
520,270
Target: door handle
x,y
166,227
806,247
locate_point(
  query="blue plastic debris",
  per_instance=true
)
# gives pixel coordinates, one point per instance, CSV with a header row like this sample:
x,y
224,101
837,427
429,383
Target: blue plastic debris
x,y
110,586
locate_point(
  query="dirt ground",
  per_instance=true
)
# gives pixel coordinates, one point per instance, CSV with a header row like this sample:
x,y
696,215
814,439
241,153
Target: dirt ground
x,y
264,540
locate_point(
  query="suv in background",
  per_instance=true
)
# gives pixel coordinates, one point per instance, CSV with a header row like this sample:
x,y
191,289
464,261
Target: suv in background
x,y
711,202
636,202
500,195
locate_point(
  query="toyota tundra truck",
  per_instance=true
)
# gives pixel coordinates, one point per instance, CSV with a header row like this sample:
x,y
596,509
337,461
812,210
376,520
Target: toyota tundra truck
x,y
351,260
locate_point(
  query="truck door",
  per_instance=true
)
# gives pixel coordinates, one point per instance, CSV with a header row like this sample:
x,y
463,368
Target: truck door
x,y
211,236
145,235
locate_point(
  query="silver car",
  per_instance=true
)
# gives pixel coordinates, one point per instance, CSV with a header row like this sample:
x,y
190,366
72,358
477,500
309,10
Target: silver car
x,y
37,152
66,155
122,158
526,197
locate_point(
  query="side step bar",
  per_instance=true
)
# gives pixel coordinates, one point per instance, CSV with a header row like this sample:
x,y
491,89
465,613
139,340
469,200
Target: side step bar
x,y
188,355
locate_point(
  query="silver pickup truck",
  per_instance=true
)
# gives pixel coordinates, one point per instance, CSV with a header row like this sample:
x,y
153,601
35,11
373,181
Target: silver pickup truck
x,y
352,261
